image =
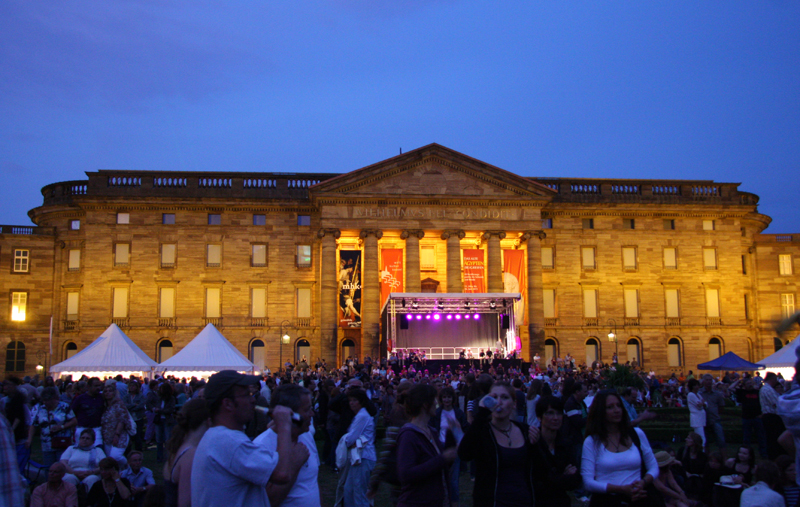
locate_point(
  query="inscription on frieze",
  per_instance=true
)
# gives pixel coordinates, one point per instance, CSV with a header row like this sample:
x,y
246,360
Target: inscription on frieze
x,y
422,213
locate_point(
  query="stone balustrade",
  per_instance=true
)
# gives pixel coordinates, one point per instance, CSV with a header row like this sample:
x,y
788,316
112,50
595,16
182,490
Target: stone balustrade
x,y
633,191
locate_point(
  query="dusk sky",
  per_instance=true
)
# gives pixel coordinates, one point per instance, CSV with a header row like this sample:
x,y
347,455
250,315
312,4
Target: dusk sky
x,y
592,89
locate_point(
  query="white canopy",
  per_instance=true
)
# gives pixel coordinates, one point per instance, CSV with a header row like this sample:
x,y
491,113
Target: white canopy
x,y
209,351
783,360
112,352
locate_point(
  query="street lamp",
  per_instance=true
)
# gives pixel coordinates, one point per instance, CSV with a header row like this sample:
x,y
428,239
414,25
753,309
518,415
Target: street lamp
x,y
284,339
612,337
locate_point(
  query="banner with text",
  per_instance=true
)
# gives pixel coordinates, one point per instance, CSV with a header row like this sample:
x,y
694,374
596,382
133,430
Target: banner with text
x,y
350,288
474,271
391,272
515,279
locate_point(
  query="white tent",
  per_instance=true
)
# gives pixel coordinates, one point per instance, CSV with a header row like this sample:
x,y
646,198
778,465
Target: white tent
x,y
207,353
783,360
110,354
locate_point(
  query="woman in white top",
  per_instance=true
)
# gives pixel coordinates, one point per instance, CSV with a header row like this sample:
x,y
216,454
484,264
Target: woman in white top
x,y
614,466
82,461
697,409
360,437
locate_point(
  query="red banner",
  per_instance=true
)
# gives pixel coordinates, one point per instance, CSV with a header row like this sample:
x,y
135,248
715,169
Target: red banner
x,y
474,271
515,279
391,272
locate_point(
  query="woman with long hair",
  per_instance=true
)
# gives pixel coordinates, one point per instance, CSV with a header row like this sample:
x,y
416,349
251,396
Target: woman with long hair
x,y
694,460
422,459
503,449
617,465
742,465
115,424
556,472
191,423
361,456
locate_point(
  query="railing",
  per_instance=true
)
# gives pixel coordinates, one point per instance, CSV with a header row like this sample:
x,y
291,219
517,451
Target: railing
x,y
71,325
169,182
167,322
547,266
167,265
673,321
713,321
591,322
259,321
26,230
551,322
631,321
121,321
217,321
124,181
303,322
671,191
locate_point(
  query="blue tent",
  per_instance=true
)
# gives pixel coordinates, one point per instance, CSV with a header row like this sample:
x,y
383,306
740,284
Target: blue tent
x,y
730,362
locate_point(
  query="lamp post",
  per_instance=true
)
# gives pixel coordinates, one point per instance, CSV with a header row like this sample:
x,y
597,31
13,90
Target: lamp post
x,y
612,337
284,339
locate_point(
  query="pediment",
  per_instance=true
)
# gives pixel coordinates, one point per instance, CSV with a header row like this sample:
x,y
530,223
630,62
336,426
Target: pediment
x,y
432,171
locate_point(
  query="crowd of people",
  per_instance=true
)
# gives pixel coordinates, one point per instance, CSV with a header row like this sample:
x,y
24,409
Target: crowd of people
x,y
548,436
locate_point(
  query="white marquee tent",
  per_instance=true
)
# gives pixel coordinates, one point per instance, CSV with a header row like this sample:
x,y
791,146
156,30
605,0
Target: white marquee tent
x,y
208,353
783,360
111,354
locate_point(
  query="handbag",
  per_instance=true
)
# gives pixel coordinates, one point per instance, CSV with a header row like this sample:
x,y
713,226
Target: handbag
x,y
60,442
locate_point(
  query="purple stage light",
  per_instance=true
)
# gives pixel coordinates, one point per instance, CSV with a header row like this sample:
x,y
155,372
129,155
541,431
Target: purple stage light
x,y
428,317
458,317
449,317
409,316
476,316
419,317
436,316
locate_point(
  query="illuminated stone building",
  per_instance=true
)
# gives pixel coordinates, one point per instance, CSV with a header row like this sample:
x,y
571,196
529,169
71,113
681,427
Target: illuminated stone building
x,y
679,270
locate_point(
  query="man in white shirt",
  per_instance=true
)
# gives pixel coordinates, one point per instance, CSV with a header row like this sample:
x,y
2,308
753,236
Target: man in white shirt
x,y
302,489
229,469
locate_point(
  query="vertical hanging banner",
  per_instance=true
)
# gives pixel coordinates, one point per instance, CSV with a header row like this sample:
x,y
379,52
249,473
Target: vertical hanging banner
x,y
515,279
350,288
391,272
474,271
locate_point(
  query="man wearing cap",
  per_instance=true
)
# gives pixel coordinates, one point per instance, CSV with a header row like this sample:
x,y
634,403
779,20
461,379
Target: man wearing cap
x,y
229,469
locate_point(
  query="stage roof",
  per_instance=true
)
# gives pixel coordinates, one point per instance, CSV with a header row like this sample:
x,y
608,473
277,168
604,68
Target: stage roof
x,y
427,302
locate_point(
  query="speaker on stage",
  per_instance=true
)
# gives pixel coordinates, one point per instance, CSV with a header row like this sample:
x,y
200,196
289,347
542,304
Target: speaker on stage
x,y
504,321
403,322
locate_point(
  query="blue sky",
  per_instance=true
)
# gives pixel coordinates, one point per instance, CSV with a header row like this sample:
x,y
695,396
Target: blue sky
x,y
699,90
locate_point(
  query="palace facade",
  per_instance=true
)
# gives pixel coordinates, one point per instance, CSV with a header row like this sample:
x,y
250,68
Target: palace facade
x,y
679,271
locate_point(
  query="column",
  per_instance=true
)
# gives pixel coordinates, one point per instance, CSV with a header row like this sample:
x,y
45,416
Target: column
x,y
413,278
535,295
370,294
454,283
495,268
328,315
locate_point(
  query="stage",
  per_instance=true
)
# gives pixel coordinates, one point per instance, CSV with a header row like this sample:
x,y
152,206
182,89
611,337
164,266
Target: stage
x,y
434,366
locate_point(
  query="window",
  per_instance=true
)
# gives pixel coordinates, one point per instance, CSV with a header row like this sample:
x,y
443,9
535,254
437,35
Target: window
x,y
547,257
166,303
549,303
427,257
710,258
747,306
213,302
165,350
709,225
670,258
168,255
550,350
674,353
629,223
120,304
631,303
714,348
629,258
70,349
672,297
587,254
592,351
744,264
303,256
74,263
19,305
669,224
303,303
634,351
258,302
168,218
259,219
257,354
787,305
122,254
15,356
712,303
214,219
547,223
213,256
73,299
303,220
75,225
258,257
590,303
785,264
21,261
123,218
588,223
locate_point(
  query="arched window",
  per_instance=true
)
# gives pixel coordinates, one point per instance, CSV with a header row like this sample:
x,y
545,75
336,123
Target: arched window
x,y
634,351
348,349
15,357
550,349
70,349
257,354
164,350
714,348
674,352
592,351
303,349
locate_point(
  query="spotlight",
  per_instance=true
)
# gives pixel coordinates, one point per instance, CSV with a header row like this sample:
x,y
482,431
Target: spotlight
x,y
419,317
476,316
428,317
449,317
414,305
492,305
436,316
458,317
409,316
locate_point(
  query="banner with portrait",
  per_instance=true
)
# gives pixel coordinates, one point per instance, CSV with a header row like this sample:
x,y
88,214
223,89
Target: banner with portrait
x,y
474,271
350,288
391,272
515,279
